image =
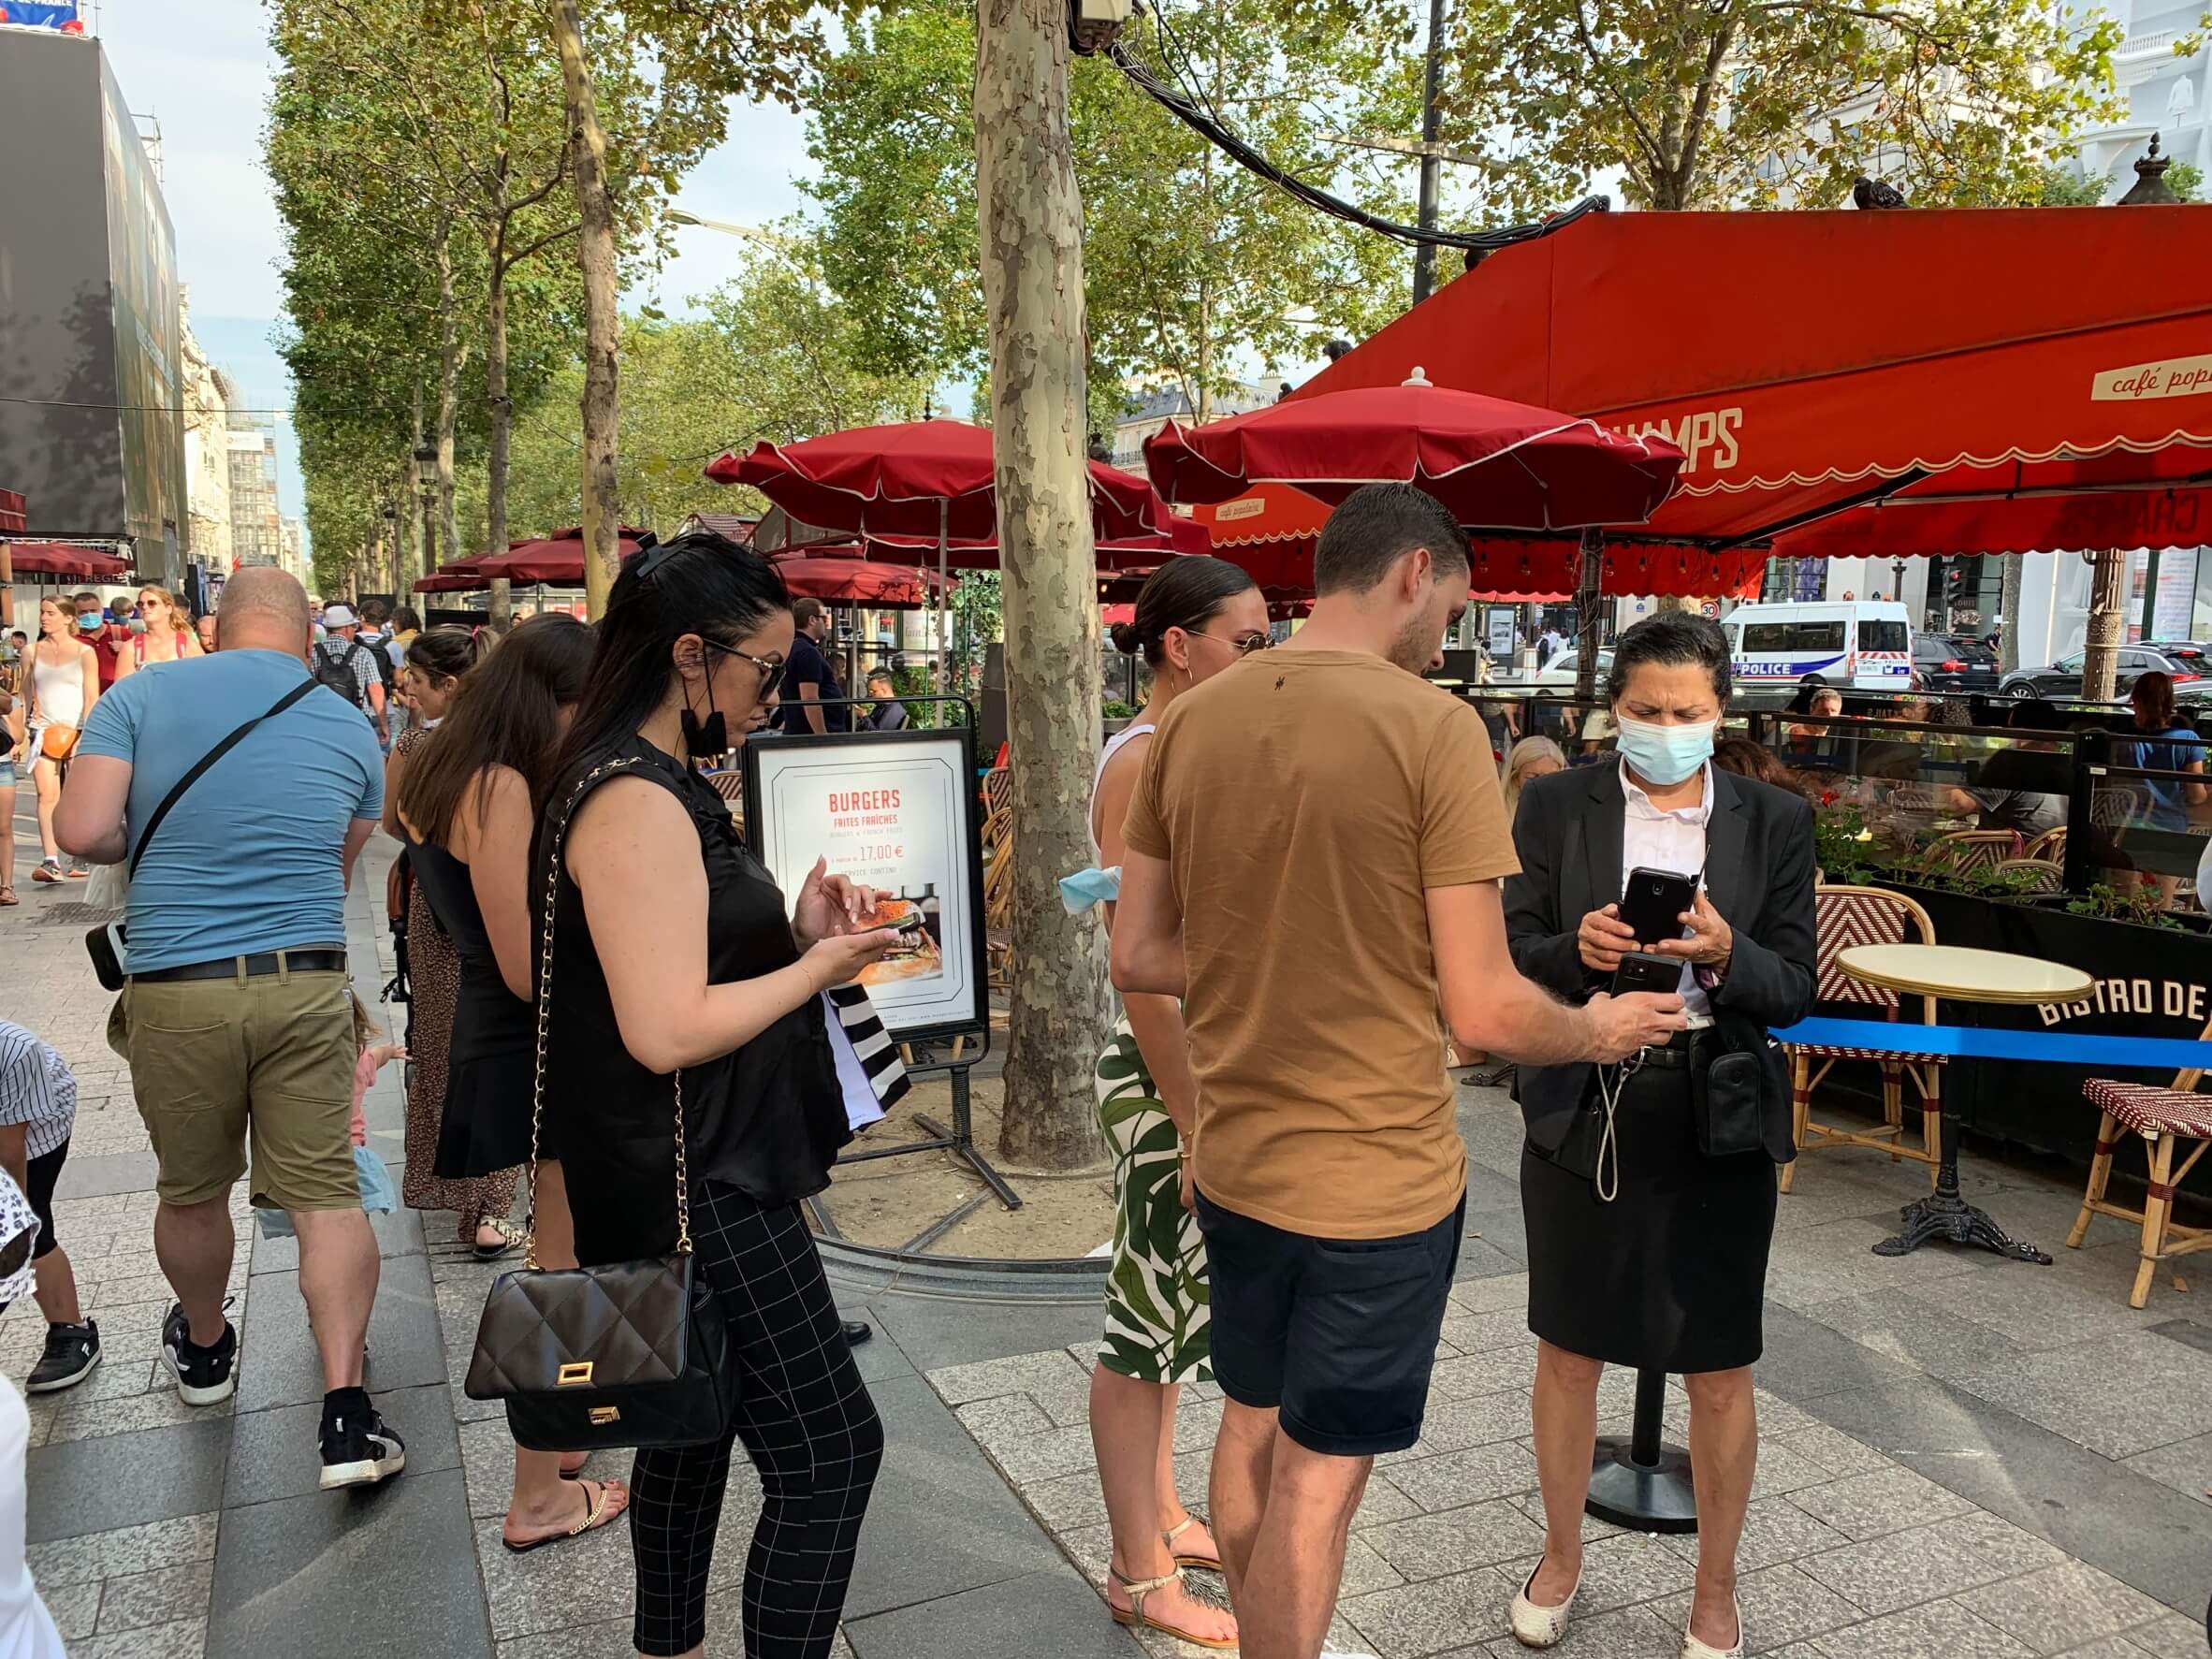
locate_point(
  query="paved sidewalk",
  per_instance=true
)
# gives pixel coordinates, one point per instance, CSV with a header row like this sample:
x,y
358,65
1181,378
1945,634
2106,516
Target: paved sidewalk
x,y
1959,1456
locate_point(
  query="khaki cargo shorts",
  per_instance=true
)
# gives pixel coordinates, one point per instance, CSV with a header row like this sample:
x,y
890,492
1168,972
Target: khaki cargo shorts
x,y
271,1056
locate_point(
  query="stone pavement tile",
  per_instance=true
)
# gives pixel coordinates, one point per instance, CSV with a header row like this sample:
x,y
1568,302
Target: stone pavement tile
x,y
934,1332
2110,1516
1032,1374
1938,1630
605,1639
98,1176
393,1568
1486,1333
157,1408
1530,1504
997,1621
167,1595
1836,1258
1432,1616
2036,1309
274,1454
95,1557
1071,1503
1198,1423
1500,1230
1436,1546
99,1484
185,1639
1907,1327
1780,1605
1458,1478
119,1377
579,1579
940,1520
75,1608
1830,1448
1479,1258
878,1358
1804,1359
1774,1529
2186,1466
2070,1391
2062,1606
1500,1371
1921,1563
1506,1293
1364,1570
2111,1647
1618,1572
2170,1635
1784,1469
279,1366
1867,1506
1023,1441
1454,1425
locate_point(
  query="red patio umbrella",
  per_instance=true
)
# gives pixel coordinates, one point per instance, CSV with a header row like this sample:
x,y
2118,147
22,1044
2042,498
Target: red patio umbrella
x,y
851,580
1494,463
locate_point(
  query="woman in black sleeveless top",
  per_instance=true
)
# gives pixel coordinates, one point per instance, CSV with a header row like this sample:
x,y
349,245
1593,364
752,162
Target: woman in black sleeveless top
x,y
674,956
465,806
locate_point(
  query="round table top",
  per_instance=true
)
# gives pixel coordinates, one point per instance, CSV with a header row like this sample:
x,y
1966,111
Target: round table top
x,y
1965,975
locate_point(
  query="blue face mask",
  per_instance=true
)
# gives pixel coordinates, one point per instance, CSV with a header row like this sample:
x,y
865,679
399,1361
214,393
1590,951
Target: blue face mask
x,y
1087,888
90,622
1664,754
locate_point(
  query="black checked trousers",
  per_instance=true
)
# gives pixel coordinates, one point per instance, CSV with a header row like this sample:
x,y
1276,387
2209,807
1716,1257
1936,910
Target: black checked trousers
x,y
807,1422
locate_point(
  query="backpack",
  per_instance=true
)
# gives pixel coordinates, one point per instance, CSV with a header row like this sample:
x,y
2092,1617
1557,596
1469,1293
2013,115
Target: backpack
x,y
338,672
386,670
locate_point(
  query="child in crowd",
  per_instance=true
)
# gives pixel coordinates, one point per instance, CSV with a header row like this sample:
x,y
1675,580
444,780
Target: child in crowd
x,y
37,1115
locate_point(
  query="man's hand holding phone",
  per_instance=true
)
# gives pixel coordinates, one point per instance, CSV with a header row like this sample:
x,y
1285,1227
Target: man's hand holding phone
x,y
1619,1026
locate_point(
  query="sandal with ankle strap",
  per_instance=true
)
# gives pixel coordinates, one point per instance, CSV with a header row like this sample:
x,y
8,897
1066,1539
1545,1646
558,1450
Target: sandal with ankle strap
x,y
1210,1564
1134,1617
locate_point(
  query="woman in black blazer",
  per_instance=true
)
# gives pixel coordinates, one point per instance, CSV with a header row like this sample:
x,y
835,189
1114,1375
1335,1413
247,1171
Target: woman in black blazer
x,y
1646,1252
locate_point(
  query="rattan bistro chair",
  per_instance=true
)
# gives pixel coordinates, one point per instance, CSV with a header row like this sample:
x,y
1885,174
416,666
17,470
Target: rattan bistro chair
x,y
1969,852
2164,1118
1844,916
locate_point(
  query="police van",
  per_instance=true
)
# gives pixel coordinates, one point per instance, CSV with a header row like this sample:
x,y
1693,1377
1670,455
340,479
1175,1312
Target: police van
x,y
1865,644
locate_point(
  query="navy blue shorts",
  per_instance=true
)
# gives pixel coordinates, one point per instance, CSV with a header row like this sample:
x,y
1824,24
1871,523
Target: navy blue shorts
x,y
1338,1335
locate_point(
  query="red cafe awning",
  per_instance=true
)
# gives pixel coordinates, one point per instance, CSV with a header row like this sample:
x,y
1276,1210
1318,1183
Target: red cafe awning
x,y
1272,532
67,560
1809,362
849,580
12,513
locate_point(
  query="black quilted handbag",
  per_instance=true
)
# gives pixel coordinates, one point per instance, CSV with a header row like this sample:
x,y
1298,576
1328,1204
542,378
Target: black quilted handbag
x,y
633,1353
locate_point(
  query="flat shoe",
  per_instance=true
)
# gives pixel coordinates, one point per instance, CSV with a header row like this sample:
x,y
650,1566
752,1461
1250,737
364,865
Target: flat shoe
x,y
1693,1649
1134,1617
598,1512
1541,1628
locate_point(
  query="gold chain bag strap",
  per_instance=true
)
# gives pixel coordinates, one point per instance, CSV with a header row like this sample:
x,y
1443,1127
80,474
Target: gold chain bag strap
x,y
632,1353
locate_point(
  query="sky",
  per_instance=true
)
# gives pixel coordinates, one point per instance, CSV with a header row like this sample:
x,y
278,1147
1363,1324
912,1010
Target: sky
x,y
202,69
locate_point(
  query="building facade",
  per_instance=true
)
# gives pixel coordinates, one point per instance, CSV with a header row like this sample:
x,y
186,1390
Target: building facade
x,y
256,527
207,398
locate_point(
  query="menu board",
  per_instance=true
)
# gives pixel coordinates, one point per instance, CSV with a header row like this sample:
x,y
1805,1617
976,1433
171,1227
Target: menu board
x,y
895,811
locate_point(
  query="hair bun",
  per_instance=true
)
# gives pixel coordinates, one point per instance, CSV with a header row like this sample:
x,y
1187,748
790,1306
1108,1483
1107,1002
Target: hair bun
x,y
1127,640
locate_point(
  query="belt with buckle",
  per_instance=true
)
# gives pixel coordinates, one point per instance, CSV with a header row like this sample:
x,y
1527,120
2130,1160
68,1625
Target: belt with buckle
x,y
266,962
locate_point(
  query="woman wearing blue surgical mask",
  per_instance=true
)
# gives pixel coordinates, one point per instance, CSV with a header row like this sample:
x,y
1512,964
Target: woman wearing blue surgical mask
x,y
1650,1207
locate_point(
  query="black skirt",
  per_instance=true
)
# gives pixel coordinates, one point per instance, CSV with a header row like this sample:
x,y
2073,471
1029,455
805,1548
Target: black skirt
x,y
485,1127
1671,1275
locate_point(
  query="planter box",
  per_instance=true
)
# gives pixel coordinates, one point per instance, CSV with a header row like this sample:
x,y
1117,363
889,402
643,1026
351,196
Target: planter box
x,y
2151,982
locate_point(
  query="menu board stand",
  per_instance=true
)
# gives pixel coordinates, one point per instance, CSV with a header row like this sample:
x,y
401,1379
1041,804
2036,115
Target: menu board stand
x,y
896,811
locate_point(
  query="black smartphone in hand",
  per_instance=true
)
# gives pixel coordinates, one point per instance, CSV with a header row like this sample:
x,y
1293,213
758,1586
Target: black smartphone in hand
x,y
1652,903
1641,971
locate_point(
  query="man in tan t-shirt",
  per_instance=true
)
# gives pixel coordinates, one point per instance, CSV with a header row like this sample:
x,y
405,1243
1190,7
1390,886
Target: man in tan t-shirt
x,y
1313,862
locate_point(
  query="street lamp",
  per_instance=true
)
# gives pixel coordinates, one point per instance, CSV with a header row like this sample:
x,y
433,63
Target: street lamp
x,y
426,483
1897,571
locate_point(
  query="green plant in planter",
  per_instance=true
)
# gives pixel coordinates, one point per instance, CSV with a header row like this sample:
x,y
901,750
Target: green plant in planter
x,y
1841,844
2133,905
1117,710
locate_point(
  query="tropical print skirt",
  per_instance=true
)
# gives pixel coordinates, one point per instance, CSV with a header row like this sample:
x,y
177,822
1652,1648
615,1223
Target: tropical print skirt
x,y
1155,1290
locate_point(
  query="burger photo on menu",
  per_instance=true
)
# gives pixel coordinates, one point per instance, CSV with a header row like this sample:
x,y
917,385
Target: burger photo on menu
x,y
915,956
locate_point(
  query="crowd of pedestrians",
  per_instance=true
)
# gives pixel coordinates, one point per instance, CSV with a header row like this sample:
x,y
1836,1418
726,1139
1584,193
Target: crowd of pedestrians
x,y
617,1022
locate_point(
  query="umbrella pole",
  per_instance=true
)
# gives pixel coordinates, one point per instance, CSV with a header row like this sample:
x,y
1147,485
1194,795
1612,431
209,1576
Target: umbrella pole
x,y
944,636
1588,589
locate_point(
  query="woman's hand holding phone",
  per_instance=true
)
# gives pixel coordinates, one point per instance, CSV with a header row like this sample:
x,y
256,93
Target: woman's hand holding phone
x,y
1604,938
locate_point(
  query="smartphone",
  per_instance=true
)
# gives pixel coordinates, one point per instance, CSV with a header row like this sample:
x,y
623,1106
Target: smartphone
x,y
1641,971
1652,903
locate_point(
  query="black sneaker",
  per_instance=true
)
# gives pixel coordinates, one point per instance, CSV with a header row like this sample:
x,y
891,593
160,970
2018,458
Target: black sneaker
x,y
71,1352
205,1377
358,1448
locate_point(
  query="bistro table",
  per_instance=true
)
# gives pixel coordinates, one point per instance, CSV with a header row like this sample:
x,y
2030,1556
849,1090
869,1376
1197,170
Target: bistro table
x,y
1957,974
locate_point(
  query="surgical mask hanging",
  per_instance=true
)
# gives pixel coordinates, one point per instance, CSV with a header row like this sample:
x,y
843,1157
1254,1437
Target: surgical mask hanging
x,y
710,737
1664,754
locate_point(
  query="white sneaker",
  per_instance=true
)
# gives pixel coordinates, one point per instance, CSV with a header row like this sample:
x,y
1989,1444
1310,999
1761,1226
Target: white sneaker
x,y
1541,1628
1693,1649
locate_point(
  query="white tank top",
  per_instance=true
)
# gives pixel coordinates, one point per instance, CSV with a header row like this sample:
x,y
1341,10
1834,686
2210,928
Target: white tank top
x,y
60,690
1114,747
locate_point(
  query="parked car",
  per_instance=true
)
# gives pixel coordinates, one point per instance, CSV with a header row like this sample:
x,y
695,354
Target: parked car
x,y
1559,673
2184,663
1953,662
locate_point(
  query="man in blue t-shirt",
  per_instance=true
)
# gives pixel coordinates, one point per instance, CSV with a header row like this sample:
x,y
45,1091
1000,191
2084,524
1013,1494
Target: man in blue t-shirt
x,y
809,678
239,1005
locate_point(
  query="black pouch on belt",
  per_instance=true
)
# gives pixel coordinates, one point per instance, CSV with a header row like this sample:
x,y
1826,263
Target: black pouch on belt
x,y
1724,1092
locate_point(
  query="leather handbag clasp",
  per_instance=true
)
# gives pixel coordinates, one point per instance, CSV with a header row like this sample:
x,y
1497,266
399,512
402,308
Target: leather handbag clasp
x,y
575,1374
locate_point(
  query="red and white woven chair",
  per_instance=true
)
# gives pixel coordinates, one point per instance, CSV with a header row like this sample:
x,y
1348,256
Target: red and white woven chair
x,y
2164,1118
1844,916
